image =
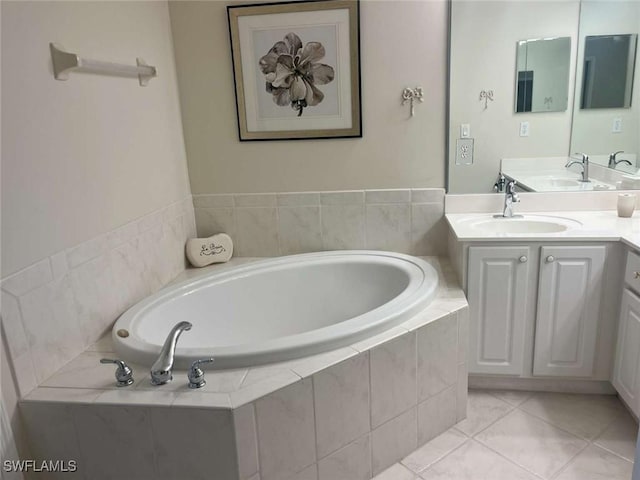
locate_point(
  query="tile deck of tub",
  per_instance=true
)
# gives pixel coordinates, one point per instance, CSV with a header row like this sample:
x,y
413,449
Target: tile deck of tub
x,y
85,380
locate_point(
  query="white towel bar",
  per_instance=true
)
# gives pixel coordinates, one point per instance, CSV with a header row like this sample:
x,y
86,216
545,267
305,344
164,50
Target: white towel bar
x,y
63,62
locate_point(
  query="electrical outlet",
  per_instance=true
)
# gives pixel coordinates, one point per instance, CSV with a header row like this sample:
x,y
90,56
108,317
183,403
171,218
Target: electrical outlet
x,y
524,129
465,130
464,151
617,125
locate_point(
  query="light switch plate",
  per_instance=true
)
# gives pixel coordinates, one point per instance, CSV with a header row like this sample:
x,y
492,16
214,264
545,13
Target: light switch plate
x,y
617,125
524,129
464,151
465,130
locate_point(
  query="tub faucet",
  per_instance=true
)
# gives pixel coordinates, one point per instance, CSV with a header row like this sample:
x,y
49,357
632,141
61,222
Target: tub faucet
x,y
510,197
613,163
585,166
161,371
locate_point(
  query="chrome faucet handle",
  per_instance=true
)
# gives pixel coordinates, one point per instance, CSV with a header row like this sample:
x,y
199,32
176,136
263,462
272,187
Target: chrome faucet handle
x,y
196,375
584,157
612,159
124,374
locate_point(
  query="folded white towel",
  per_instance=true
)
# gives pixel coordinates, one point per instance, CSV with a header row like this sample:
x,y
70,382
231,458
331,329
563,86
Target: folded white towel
x,y
205,251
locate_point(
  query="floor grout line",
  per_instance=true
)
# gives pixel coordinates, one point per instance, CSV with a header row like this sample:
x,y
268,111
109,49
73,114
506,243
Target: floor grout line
x,y
439,460
588,442
611,452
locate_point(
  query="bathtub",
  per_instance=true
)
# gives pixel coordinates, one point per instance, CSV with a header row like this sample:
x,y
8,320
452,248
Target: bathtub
x,y
278,309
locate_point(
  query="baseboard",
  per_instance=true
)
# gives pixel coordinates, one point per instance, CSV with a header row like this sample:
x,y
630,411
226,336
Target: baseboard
x,y
542,385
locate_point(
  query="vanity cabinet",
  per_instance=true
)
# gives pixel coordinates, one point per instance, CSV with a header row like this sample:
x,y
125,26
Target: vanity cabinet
x,y
626,371
569,293
499,280
552,292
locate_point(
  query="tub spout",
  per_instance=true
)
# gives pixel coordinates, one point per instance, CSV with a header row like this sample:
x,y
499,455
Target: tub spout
x,y
161,371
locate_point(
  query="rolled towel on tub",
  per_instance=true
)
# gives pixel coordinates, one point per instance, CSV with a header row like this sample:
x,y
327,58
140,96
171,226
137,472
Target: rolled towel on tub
x,y
205,251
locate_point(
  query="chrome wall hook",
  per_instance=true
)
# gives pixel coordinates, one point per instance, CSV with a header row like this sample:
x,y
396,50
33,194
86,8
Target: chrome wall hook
x,y
486,95
410,95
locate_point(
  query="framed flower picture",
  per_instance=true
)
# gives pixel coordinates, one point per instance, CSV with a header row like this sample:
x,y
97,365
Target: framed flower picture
x,y
296,69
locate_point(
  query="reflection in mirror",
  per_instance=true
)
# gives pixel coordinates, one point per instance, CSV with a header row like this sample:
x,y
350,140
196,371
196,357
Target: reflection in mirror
x,y
602,132
533,144
607,73
542,74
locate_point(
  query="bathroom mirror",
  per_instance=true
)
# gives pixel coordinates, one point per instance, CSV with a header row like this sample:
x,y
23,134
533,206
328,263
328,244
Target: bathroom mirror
x,y
542,74
607,71
483,36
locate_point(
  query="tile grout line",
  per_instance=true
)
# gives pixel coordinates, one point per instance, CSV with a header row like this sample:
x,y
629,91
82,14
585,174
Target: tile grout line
x,y
548,422
588,443
512,462
466,440
511,411
508,412
419,474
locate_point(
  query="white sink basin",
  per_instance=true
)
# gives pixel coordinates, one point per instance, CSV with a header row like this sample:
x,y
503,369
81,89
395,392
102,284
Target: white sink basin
x,y
564,182
527,224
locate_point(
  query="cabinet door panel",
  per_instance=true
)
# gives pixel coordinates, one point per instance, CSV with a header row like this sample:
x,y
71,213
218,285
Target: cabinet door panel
x,y
498,281
627,365
569,292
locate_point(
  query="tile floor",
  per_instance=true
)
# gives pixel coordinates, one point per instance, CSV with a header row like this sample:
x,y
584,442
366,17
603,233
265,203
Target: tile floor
x,y
528,436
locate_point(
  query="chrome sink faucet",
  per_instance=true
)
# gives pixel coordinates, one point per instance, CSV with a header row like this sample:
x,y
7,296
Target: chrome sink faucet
x,y
510,197
585,166
613,162
161,371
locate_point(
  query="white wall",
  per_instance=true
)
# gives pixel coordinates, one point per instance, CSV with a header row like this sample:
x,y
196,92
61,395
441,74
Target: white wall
x,y
592,127
483,45
403,44
84,156
79,159
550,62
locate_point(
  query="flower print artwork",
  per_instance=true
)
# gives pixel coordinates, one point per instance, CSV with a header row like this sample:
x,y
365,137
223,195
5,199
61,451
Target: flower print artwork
x,y
293,71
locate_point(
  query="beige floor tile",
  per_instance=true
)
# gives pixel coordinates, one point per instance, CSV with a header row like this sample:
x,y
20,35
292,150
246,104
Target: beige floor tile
x,y
620,437
528,441
583,415
473,461
482,410
512,397
434,450
396,472
594,463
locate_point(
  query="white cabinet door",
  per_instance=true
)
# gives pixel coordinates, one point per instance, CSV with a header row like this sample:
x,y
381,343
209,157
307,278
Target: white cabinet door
x,y
498,282
626,371
569,292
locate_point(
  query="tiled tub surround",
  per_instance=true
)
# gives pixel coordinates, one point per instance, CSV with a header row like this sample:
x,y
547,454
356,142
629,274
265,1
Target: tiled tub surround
x,y
54,309
345,414
405,220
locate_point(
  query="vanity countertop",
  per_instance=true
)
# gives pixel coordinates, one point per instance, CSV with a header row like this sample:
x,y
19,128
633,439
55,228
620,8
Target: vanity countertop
x,y
593,226
560,180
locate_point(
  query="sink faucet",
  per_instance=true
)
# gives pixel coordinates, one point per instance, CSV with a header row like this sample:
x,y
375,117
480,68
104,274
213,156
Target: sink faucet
x,y
613,162
585,166
510,197
161,371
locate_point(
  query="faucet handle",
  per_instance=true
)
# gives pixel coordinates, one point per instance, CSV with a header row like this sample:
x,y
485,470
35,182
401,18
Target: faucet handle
x,y
196,375
584,156
124,374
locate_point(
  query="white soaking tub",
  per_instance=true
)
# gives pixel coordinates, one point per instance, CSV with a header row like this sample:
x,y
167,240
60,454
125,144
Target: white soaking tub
x,y
279,309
